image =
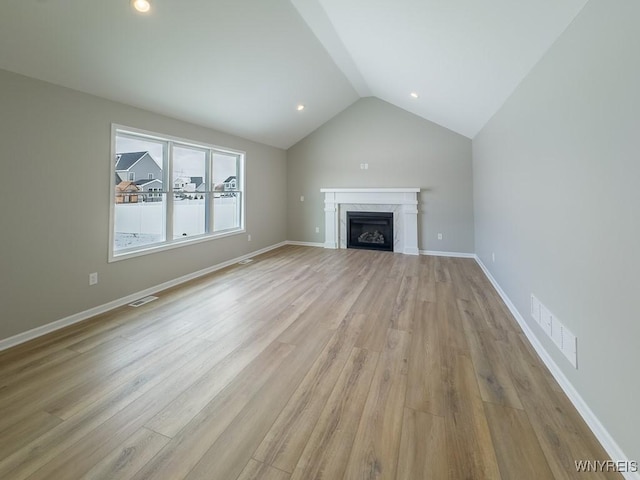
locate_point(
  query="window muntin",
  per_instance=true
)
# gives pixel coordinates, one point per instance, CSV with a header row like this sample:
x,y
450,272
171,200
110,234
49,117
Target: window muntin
x,y
186,192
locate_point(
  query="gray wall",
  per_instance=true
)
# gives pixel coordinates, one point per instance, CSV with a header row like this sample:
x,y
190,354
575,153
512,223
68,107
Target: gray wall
x,y
54,204
402,150
556,185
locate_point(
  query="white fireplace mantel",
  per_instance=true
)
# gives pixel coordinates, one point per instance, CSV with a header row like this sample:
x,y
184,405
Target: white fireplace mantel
x,y
402,202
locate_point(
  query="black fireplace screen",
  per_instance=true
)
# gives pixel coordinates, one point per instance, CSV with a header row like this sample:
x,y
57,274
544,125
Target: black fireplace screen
x,y
370,230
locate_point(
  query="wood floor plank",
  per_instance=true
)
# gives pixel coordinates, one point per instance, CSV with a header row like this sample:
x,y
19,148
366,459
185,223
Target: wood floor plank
x,y
188,404
423,447
22,371
327,452
22,433
186,448
123,462
405,304
469,445
380,302
261,471
57,340
449,320
285,441
491,372
523,459
339,306
491,305
121,408
427,272
91,390
425,372
235,446
457,269
374,451
441,269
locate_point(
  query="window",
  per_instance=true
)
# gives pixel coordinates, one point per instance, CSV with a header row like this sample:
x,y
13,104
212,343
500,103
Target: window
x,y
193,192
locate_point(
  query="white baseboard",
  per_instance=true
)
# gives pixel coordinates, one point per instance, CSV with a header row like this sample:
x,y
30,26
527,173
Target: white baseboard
x,y
92,312
601,433
304,244
438,253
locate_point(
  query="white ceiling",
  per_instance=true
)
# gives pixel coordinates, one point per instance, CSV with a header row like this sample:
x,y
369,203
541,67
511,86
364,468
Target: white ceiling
x,y
242,66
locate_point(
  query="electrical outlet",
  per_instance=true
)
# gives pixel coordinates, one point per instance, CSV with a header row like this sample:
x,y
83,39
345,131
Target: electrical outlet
x,y
366,166
439,236
317,229
248,237
93,278
302,198
493,257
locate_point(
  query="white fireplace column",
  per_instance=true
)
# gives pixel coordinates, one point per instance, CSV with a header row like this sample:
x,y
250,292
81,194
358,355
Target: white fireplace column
x,y
330,220
402,202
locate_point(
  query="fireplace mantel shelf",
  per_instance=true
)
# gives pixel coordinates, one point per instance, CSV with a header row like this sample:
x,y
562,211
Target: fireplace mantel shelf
x,y
369,190
403,202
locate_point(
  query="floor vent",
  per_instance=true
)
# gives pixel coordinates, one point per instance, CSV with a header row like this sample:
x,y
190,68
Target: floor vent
x,y
245,261
142,301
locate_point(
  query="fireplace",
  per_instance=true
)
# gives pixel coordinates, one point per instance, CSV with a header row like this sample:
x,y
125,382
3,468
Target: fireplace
x,y
402,202
370,230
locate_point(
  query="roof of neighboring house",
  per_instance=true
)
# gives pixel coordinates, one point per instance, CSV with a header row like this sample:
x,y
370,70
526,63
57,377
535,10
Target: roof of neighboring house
x,y
232,177
127,186
124,161
197,180
146,181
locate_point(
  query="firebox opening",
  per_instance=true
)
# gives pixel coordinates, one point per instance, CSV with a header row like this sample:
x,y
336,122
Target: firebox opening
x,y
370,230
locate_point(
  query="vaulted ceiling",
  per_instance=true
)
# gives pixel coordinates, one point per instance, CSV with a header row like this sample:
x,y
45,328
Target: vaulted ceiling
x,y
243,66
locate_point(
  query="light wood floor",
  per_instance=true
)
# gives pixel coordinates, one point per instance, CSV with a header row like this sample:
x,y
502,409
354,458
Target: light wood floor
x,y
305,364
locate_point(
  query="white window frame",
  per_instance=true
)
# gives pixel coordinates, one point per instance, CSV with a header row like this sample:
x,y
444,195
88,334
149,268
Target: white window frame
x,y
169,242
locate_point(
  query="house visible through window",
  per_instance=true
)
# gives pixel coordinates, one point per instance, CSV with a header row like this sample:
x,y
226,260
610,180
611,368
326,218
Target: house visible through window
x,y
191,192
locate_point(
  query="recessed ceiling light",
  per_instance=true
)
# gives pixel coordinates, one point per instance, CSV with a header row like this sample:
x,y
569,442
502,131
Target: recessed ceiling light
x,y
143,6
414,94
300,107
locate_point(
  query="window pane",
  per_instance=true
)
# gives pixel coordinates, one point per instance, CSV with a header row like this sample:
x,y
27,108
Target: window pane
x,y
139,216
190,191
139,220
226,210
225,171
226,203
